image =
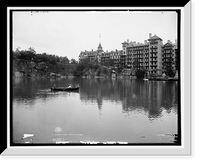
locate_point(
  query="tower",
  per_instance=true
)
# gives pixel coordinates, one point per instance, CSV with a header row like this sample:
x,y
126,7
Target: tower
x,y
99,48
155,54
124,46
124,51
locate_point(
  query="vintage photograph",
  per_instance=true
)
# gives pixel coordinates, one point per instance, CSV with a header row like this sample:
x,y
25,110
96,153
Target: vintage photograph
x,y
95,77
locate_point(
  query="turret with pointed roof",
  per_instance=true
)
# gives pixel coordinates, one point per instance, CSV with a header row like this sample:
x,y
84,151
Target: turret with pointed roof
x,y
99,47
155,37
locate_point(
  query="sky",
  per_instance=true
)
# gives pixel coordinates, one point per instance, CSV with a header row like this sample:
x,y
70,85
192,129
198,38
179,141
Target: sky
x,y
67,33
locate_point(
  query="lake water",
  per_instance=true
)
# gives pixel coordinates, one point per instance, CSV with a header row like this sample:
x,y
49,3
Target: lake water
x,y
104,110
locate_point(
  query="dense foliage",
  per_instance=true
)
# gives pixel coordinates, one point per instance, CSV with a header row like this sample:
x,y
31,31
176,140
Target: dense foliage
x,y
31,55
85,67
139,73
170,72
26,60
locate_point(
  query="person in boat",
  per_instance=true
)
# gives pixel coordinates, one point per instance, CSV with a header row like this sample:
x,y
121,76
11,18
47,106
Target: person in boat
x,y
54,86
69,86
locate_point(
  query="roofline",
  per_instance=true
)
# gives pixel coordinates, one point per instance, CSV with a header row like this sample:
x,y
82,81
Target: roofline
x,y
155,38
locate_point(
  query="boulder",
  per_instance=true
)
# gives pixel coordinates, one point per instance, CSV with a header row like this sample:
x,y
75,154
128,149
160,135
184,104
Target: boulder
x,y
18,74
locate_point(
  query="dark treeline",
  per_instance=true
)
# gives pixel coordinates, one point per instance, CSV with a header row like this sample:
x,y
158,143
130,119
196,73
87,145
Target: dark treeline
x,y
31,55
86,67
28,63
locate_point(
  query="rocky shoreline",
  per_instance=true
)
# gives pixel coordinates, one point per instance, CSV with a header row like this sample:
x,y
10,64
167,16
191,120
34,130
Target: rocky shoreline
x,y
26,68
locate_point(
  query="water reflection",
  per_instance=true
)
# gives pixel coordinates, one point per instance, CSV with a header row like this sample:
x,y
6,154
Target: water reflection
x,y
27,90
149,97
104,109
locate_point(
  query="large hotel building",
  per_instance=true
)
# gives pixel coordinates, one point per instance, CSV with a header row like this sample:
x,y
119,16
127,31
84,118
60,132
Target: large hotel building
x,y
151,55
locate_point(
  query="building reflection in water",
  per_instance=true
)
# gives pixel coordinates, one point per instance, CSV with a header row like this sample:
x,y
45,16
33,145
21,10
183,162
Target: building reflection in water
x,y
128,110
149,97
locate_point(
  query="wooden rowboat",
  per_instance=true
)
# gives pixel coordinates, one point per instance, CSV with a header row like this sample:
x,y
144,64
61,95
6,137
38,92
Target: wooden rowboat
x,y
65,89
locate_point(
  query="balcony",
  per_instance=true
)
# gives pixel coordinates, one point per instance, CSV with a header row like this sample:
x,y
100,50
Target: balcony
x,y
153,58
153,63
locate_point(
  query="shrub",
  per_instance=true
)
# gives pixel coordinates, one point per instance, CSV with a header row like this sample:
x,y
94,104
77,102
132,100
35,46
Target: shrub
x,y
170,72
139,73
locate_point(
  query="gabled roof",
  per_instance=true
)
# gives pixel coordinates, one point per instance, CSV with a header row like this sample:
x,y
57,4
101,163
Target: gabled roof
x,y
125,42
155,37
167,45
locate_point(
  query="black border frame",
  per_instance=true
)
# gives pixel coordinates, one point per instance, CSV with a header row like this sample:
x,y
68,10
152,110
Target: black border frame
x,y
177,143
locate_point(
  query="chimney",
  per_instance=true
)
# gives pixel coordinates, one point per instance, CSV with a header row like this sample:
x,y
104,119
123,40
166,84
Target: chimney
x,y
149,35
127,40
176,43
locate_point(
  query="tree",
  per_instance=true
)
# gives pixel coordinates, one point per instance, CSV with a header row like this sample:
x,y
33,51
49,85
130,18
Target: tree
x,y
85,61
32,50
26,55
139,73
73,61
16,53
169,68
78,71
85,66
109,62
170,72
64,60
119,69
98,71
105,71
